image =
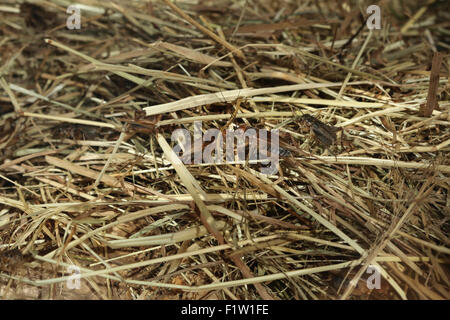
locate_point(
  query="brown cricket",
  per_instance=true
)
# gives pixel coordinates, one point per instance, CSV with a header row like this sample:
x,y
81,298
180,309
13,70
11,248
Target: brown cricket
x,y
11,259
325,133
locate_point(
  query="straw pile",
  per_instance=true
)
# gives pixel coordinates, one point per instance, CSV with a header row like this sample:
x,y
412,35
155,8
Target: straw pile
x,y
89,182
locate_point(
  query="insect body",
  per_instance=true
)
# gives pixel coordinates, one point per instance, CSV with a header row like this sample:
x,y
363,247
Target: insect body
x,y
141,125
326,134
11,259
75,132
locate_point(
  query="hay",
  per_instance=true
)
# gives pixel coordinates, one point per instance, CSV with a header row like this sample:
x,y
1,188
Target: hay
x,y
89,177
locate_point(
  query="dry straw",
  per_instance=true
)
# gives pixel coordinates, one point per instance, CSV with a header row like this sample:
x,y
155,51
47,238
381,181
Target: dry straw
x,y
88,175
